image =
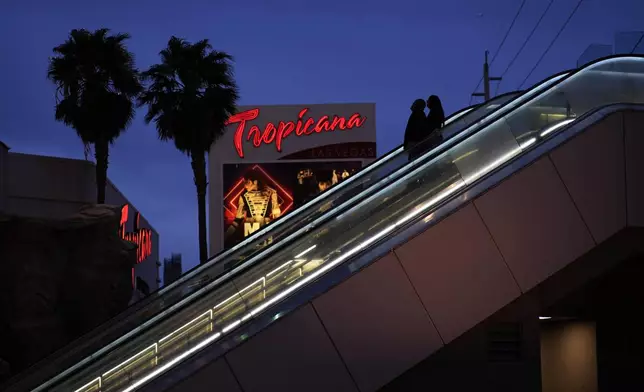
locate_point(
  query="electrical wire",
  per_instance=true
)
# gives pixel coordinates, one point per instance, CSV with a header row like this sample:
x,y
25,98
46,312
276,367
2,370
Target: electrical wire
x,y
534,29
498,50
637,44
574,11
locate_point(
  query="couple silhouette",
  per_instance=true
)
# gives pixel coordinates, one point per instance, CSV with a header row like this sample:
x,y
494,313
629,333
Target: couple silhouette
x,y
423,131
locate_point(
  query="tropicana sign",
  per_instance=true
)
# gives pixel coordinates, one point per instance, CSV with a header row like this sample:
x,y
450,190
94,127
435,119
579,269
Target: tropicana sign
x,y
275,134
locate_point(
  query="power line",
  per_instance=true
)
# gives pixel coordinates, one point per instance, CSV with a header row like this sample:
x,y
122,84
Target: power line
x,y
534,29
637,44
498,50
574,11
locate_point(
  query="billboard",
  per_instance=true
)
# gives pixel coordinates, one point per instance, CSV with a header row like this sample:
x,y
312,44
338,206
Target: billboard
x,y
282,140
256,194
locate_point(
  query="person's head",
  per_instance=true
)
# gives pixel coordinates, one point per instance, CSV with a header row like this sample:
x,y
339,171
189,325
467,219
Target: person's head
x,y
323,185
418,105
324,178
251,181
434,103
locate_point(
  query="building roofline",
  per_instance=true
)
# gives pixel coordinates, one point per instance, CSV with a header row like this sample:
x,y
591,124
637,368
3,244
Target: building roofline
x,y
3,144
92,164
54,157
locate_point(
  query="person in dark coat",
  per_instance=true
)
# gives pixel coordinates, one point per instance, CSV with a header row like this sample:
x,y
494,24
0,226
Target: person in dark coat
x,y
436,116
433,136
435,121
416,130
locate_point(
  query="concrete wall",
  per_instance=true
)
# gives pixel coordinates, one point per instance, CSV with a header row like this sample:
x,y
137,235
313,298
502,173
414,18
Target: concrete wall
x,y
369,329
40,186
569,357
620,341
4,151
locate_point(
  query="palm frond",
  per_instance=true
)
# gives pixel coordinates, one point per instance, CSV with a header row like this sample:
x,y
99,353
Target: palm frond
x,y
96,83
190,94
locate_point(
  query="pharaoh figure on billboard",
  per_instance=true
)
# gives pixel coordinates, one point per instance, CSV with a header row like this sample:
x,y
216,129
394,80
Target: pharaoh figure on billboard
x,y
256,195
257,206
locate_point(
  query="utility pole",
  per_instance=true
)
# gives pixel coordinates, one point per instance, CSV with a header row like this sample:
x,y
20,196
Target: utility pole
x,y
486,80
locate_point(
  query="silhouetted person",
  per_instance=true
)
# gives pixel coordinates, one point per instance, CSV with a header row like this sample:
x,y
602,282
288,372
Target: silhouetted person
x,y
416,130
435,121
432,135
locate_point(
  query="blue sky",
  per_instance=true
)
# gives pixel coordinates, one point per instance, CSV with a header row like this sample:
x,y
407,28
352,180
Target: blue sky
x,y
286,51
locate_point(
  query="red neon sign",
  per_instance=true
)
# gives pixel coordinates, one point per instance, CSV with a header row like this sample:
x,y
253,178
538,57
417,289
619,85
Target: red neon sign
x,y
277,133
142,237
231,198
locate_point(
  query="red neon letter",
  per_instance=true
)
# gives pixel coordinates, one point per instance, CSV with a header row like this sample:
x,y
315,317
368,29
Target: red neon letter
x,y
338,122
322,125
269,133
124,214
299,131
283,130
356,121
241,118
254,133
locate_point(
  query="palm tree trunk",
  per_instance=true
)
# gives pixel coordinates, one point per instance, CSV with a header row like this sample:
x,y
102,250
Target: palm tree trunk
x,y
101,152
201,181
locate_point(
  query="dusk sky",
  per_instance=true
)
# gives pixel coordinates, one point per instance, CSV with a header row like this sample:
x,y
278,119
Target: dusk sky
x,y
286,52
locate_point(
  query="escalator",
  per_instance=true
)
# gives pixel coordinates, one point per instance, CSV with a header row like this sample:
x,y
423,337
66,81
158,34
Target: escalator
x,y
412,200
279,234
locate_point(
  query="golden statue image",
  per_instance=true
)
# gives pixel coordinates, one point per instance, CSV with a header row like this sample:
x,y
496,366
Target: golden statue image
x,y
257,206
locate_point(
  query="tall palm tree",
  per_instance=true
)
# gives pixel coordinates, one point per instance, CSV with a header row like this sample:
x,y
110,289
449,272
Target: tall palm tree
x,y
190,95
96,88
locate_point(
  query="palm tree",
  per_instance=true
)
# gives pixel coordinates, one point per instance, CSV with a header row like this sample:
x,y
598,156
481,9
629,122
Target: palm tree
x,y
96,86
190,95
